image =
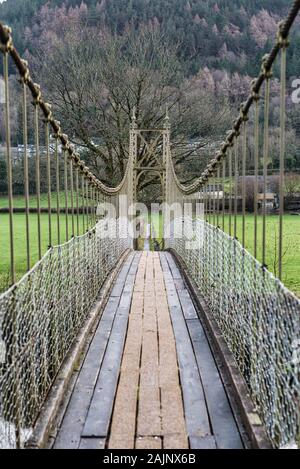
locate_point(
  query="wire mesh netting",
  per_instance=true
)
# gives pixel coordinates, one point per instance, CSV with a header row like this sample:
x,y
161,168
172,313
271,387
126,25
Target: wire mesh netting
x,y
258,317
41,316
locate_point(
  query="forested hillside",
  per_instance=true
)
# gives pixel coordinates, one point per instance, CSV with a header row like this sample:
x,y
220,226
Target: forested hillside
x,y
97,60
230,34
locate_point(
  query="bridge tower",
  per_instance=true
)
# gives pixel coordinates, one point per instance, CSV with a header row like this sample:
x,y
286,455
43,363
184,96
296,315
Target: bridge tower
x,y
149,152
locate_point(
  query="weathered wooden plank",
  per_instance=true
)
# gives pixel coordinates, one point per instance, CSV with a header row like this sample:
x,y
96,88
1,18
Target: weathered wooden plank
x,y
173,423
99,414
125,300
176,441
122,434
92,443
196,414
97,421
92,363
176,274
224,427
173,299
164,265
148,443
120,281
188,308
206,442
148,418
179,285
74,418
197,420
117,290
69,433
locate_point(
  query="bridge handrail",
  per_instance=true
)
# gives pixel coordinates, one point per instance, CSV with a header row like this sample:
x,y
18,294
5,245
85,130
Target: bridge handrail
x,y
7,46
266,67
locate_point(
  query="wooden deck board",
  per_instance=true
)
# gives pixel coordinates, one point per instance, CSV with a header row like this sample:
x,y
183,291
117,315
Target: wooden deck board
x,y
159,406
72,425
224,430
223,424
99,414
92,443
149,379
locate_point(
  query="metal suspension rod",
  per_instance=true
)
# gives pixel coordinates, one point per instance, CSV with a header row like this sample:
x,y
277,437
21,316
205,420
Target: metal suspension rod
x,y
26,172
282,152
256,161
244,160
48,183
83,202
265,172
223,204
87,204
66,193
230,191
214,199
205,201
209,202
218,195
38,177
57,190
236,179
77,201
72,196
9,168
94,203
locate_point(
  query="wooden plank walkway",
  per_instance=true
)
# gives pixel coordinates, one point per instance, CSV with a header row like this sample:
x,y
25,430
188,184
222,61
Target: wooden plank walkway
x,y
149,379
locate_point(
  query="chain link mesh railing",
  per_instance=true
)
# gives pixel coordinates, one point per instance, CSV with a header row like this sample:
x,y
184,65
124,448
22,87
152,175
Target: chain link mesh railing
x,y
42,312
258,317
41,316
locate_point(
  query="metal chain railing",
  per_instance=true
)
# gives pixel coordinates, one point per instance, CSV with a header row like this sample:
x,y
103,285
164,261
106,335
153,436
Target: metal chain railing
x,y
63,241
61,173
258,316
237,138
41,316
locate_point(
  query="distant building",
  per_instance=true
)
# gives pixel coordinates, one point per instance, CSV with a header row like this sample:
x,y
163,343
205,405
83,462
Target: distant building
x,y
213,192
272,201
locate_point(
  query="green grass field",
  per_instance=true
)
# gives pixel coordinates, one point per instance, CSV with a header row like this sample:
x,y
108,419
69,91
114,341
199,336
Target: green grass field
x,y
20,241
291,245
291,259
19,200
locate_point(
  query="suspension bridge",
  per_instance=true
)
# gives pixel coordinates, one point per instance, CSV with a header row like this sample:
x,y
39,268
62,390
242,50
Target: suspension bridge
x,y
105,346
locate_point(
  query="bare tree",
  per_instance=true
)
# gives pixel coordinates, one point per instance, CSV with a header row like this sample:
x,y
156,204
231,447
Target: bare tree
x,y
292,185
95,79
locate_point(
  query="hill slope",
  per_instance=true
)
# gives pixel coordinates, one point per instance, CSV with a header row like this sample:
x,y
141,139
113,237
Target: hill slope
x,y
228,34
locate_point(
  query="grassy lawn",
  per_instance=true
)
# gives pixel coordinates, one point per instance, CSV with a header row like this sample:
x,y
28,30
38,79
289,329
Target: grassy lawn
x,y
19,200
291,247
20,241
291,260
